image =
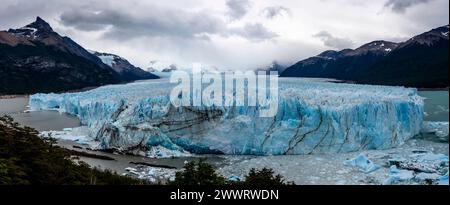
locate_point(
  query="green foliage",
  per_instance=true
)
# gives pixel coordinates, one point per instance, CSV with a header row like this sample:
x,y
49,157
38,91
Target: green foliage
x,y
201,173
198,173
11,173
264,177
25,158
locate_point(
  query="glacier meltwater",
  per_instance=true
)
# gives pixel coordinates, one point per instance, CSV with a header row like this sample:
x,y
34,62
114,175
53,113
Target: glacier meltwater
x,y
313,117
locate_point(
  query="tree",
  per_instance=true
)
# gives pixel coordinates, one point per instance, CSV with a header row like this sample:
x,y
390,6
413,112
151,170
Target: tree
x,y
198,174
264,177
25,158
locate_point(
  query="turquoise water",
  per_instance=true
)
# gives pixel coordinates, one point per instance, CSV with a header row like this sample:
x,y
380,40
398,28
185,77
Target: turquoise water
x,y
436,105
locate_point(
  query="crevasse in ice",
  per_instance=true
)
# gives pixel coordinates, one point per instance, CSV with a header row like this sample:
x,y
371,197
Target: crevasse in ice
x,y
313,117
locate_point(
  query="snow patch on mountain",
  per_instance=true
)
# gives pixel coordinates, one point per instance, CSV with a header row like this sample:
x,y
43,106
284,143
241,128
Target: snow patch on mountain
x,y
107,59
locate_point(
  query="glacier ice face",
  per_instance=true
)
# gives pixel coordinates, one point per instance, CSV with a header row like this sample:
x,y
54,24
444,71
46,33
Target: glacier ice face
x,y
313,117
79,135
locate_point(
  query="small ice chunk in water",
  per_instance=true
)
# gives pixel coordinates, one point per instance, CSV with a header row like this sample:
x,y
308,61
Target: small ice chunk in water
x,y
234,178
362,163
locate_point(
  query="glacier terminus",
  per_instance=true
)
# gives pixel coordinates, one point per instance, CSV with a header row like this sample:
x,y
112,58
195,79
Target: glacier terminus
x,y
314,116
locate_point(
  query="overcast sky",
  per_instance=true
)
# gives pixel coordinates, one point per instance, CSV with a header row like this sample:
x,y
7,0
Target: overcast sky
x,y
229,34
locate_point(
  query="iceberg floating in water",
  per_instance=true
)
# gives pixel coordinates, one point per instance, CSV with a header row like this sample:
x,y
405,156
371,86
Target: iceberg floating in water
x,y
363,163
313,117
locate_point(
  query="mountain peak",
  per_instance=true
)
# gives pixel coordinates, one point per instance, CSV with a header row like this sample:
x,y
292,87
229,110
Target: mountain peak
x,y
41,25
429,38
38,28
39,19
378,47
330,54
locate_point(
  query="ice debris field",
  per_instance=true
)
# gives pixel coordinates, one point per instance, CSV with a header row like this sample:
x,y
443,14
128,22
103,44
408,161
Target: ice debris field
x,y
313,117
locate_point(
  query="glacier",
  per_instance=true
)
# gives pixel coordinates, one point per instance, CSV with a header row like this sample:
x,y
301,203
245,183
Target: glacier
x,y
313,117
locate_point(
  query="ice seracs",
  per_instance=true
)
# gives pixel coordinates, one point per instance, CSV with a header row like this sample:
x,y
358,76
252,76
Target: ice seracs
x,y
313,117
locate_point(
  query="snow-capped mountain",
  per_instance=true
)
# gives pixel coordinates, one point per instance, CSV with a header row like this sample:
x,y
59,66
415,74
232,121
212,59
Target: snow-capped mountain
x,y
429,38
274,66
421,61
40,32
169,69
377,47
125,69
160,66
34,58
36,30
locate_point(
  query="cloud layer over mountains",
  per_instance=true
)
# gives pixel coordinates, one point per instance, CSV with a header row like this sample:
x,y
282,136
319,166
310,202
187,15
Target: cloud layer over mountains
x,y
229,34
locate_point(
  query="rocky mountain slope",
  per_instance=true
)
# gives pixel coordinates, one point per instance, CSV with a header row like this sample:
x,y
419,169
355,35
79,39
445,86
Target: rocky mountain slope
x,y
35,58
125,69
421,62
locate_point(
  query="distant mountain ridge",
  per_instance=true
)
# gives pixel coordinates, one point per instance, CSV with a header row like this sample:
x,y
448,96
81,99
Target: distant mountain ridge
x,y
274,66
161,66
422,61
35,58
125,69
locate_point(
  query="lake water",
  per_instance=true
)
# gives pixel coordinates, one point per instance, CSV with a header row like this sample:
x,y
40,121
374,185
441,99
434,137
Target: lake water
x,y
40,120
436,105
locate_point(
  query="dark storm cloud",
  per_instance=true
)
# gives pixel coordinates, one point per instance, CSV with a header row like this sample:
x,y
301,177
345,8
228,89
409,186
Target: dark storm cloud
x,y
274,11
154,24
237,8
332,41
210,32
400,6
15,13
159,23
